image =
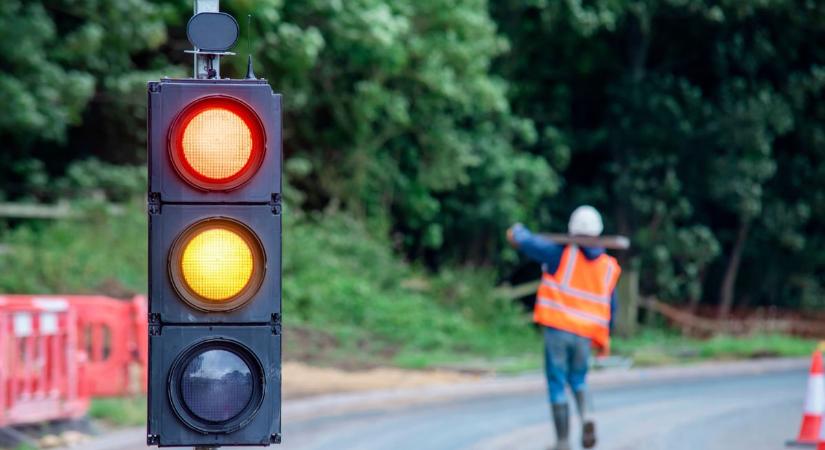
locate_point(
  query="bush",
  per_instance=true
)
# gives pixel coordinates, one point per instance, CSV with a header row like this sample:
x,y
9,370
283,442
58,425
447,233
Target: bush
x,y
342,278
120,411
98,253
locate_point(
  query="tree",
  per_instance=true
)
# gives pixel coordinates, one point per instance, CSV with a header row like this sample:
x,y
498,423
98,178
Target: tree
x,y
686,121
68,67
393,114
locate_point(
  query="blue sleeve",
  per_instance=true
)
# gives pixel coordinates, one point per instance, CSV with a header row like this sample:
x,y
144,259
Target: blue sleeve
x,y
538,248
613,308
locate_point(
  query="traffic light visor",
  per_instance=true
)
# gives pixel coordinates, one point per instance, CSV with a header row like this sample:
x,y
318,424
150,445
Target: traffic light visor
x,y
217,143
217,264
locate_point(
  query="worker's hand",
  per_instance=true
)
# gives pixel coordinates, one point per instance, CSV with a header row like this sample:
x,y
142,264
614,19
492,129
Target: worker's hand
x,y
511,238
602,352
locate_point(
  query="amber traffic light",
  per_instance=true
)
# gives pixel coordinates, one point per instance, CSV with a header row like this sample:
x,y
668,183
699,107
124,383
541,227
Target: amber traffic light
x,y
217,264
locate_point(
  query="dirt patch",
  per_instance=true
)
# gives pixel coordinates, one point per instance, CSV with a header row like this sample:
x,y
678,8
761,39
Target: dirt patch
x,y
319,348
325,367
302,380
305,344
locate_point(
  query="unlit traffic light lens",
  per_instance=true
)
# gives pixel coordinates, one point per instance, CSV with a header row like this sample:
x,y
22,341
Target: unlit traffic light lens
x,y
217,143
217,264
216,385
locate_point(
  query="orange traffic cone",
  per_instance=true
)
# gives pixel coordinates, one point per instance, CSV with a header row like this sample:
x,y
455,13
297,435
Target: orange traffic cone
x,y
813,427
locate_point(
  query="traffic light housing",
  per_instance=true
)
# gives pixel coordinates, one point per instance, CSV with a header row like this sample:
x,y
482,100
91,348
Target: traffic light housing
x,y
179,109
214,263
179,294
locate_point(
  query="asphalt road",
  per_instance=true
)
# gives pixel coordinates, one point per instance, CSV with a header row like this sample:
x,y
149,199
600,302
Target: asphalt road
x,y
753,412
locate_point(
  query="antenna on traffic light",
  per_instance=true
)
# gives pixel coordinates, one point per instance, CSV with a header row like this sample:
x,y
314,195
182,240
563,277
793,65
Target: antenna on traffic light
x,y
250,72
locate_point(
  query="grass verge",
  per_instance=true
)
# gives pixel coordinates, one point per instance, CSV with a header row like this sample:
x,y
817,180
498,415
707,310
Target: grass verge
x,y
119,411
659,347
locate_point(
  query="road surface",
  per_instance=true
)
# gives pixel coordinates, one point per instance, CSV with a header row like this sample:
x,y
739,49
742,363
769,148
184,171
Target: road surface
x,y
753,412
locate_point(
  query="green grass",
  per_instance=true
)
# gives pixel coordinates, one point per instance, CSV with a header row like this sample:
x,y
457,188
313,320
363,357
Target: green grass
x,y
761,345
25,447
341,278
98,254
119,411
658,347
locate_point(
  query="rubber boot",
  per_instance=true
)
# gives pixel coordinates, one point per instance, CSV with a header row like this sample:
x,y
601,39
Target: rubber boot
x,y
561,419
588,426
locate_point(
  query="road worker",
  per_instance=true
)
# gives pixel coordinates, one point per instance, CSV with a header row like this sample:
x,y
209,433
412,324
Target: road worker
x,y
574,307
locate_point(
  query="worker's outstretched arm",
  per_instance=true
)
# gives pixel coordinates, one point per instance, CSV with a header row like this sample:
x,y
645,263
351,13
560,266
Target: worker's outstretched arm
x,y
535,247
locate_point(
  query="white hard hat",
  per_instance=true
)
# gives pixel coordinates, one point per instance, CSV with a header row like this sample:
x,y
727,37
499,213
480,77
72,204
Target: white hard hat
x,y
585,221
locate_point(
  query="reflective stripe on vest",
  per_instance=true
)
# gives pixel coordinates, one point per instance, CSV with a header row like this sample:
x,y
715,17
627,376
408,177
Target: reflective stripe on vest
x,y
576,298
552,304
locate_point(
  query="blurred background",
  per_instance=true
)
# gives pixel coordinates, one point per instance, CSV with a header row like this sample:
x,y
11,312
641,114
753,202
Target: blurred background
x,y
417,131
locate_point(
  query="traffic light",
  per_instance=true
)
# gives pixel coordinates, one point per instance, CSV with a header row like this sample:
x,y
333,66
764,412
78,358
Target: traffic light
x,y
214,263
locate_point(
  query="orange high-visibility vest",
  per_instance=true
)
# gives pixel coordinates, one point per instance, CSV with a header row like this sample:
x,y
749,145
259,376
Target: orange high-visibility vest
x,y
576,298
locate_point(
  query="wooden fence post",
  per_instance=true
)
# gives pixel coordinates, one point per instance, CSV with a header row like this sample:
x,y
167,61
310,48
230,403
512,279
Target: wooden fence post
x,y
627,293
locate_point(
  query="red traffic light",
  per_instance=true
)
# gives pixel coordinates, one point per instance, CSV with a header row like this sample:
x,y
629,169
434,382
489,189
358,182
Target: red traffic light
x,y
217,143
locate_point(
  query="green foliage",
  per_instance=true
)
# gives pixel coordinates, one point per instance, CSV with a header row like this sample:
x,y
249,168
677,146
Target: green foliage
x,y
102,248
32,82
757,346
98,253
342,278
428,126
659,346
69,66
339,277
97,180
696,126
392,107
25,447
120,411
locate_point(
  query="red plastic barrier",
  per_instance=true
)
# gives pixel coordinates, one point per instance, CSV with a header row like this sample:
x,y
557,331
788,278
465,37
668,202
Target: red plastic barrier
x,y
112,337
56,352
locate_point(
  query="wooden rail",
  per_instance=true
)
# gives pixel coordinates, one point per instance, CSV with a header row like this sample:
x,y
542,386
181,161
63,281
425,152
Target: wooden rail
x,y
687,322
611,242
42,211
520,290
702,326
